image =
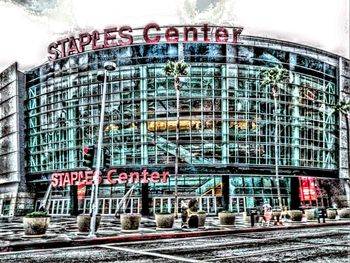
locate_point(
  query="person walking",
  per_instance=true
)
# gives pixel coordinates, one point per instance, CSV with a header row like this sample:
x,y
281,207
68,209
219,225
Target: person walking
x,y
267,213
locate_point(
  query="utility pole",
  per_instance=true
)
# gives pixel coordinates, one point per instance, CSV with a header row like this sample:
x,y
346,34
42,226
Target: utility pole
x,y
108,66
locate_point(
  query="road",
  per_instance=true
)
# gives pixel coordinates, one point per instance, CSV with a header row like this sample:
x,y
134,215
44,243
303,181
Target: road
x,y
324,244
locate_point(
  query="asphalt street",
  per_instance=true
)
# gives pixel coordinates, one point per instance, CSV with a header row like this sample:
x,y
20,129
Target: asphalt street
x,y
323,244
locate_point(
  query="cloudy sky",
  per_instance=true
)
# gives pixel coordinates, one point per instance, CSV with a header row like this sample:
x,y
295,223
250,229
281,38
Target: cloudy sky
x,y
28,26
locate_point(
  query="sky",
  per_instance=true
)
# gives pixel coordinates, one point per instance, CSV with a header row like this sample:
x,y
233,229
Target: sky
x,y
27,27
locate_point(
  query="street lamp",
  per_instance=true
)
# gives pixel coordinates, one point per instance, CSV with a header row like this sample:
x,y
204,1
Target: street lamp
x,y
108,66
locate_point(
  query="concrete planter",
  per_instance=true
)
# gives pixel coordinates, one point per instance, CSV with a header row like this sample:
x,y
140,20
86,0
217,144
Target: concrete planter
x,y
310,214
295,215
201,219
276,213
331,213
83,222
227,218
344,213
130,222
164,220
35,226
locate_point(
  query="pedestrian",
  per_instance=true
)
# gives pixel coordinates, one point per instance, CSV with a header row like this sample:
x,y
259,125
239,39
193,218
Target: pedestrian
x,y
284,214
267,213
192,217
267,206
184,215
317,215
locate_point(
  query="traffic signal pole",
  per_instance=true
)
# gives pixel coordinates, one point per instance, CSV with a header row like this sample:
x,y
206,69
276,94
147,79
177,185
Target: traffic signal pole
x,y
94,192
89,154
106,158
109,66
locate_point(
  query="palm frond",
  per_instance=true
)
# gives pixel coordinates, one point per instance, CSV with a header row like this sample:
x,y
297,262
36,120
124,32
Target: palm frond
x,y
176,69
274,76
343,107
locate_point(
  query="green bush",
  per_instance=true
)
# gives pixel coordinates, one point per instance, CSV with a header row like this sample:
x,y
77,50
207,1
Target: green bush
x,y
164,212
344,213
201,212
37,214
295,215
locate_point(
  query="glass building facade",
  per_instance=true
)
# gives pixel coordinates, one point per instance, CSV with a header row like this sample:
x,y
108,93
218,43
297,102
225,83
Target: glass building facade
x,y
226,124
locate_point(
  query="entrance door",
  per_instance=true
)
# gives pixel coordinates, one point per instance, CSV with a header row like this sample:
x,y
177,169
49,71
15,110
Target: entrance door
x,y
208,204
237,204
161,204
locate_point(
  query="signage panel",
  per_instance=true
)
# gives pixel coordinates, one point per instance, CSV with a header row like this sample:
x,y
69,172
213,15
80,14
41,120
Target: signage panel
x,y
152,33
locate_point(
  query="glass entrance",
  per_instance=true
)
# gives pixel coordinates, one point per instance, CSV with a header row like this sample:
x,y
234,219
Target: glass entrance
x,y
237,204
208,204
162,204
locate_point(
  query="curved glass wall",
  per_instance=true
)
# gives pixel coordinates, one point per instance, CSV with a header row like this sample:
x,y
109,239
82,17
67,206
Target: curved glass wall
x,y
226,115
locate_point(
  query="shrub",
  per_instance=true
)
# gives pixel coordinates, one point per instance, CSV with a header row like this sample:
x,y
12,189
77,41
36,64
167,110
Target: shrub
x,y
201,212
295,215
37,214
344,213
164,212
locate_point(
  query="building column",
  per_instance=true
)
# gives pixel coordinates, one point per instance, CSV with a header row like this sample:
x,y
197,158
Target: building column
x,y
295,125
224,118
143,131
72,119
294,193
296,122
73,195
226,192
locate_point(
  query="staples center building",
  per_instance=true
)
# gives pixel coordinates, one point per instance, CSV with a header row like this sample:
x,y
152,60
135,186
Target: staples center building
x,y
227,132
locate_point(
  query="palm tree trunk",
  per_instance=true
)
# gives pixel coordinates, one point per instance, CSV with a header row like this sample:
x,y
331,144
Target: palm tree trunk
x,y
177,153
274,92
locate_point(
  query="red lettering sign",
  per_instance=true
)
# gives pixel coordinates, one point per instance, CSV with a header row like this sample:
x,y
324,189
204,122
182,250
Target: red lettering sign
x,y
112,177
152,33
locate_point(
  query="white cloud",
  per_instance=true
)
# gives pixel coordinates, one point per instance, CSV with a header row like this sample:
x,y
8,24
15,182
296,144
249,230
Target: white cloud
x,y
319,23
25,37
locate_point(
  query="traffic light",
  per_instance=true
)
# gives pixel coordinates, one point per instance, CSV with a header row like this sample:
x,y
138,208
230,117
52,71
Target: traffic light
x,y
89,154
106,158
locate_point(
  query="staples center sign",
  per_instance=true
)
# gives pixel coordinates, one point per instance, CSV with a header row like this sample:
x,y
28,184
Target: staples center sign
x,y
112,177
123,36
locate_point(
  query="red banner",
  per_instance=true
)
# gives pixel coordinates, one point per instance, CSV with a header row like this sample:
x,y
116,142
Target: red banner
x,y
307,189
81,193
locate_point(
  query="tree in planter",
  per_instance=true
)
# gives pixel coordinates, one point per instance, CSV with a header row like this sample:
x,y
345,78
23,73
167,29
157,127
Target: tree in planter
x,y
343,107
227,217
176,70
164,219
36,223
274,77
333,189
130,222
202,215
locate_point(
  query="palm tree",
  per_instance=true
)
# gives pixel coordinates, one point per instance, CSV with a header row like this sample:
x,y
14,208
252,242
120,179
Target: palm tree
x,y
344,108
175,70
274,77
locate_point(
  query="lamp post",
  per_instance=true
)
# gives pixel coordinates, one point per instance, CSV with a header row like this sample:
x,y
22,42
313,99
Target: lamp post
x,y
108,66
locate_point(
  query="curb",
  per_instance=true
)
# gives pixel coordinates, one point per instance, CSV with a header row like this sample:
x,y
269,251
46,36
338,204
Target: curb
x,y
156,236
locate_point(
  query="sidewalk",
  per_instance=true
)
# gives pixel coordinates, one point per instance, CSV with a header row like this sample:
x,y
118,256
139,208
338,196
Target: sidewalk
x,y
63,232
